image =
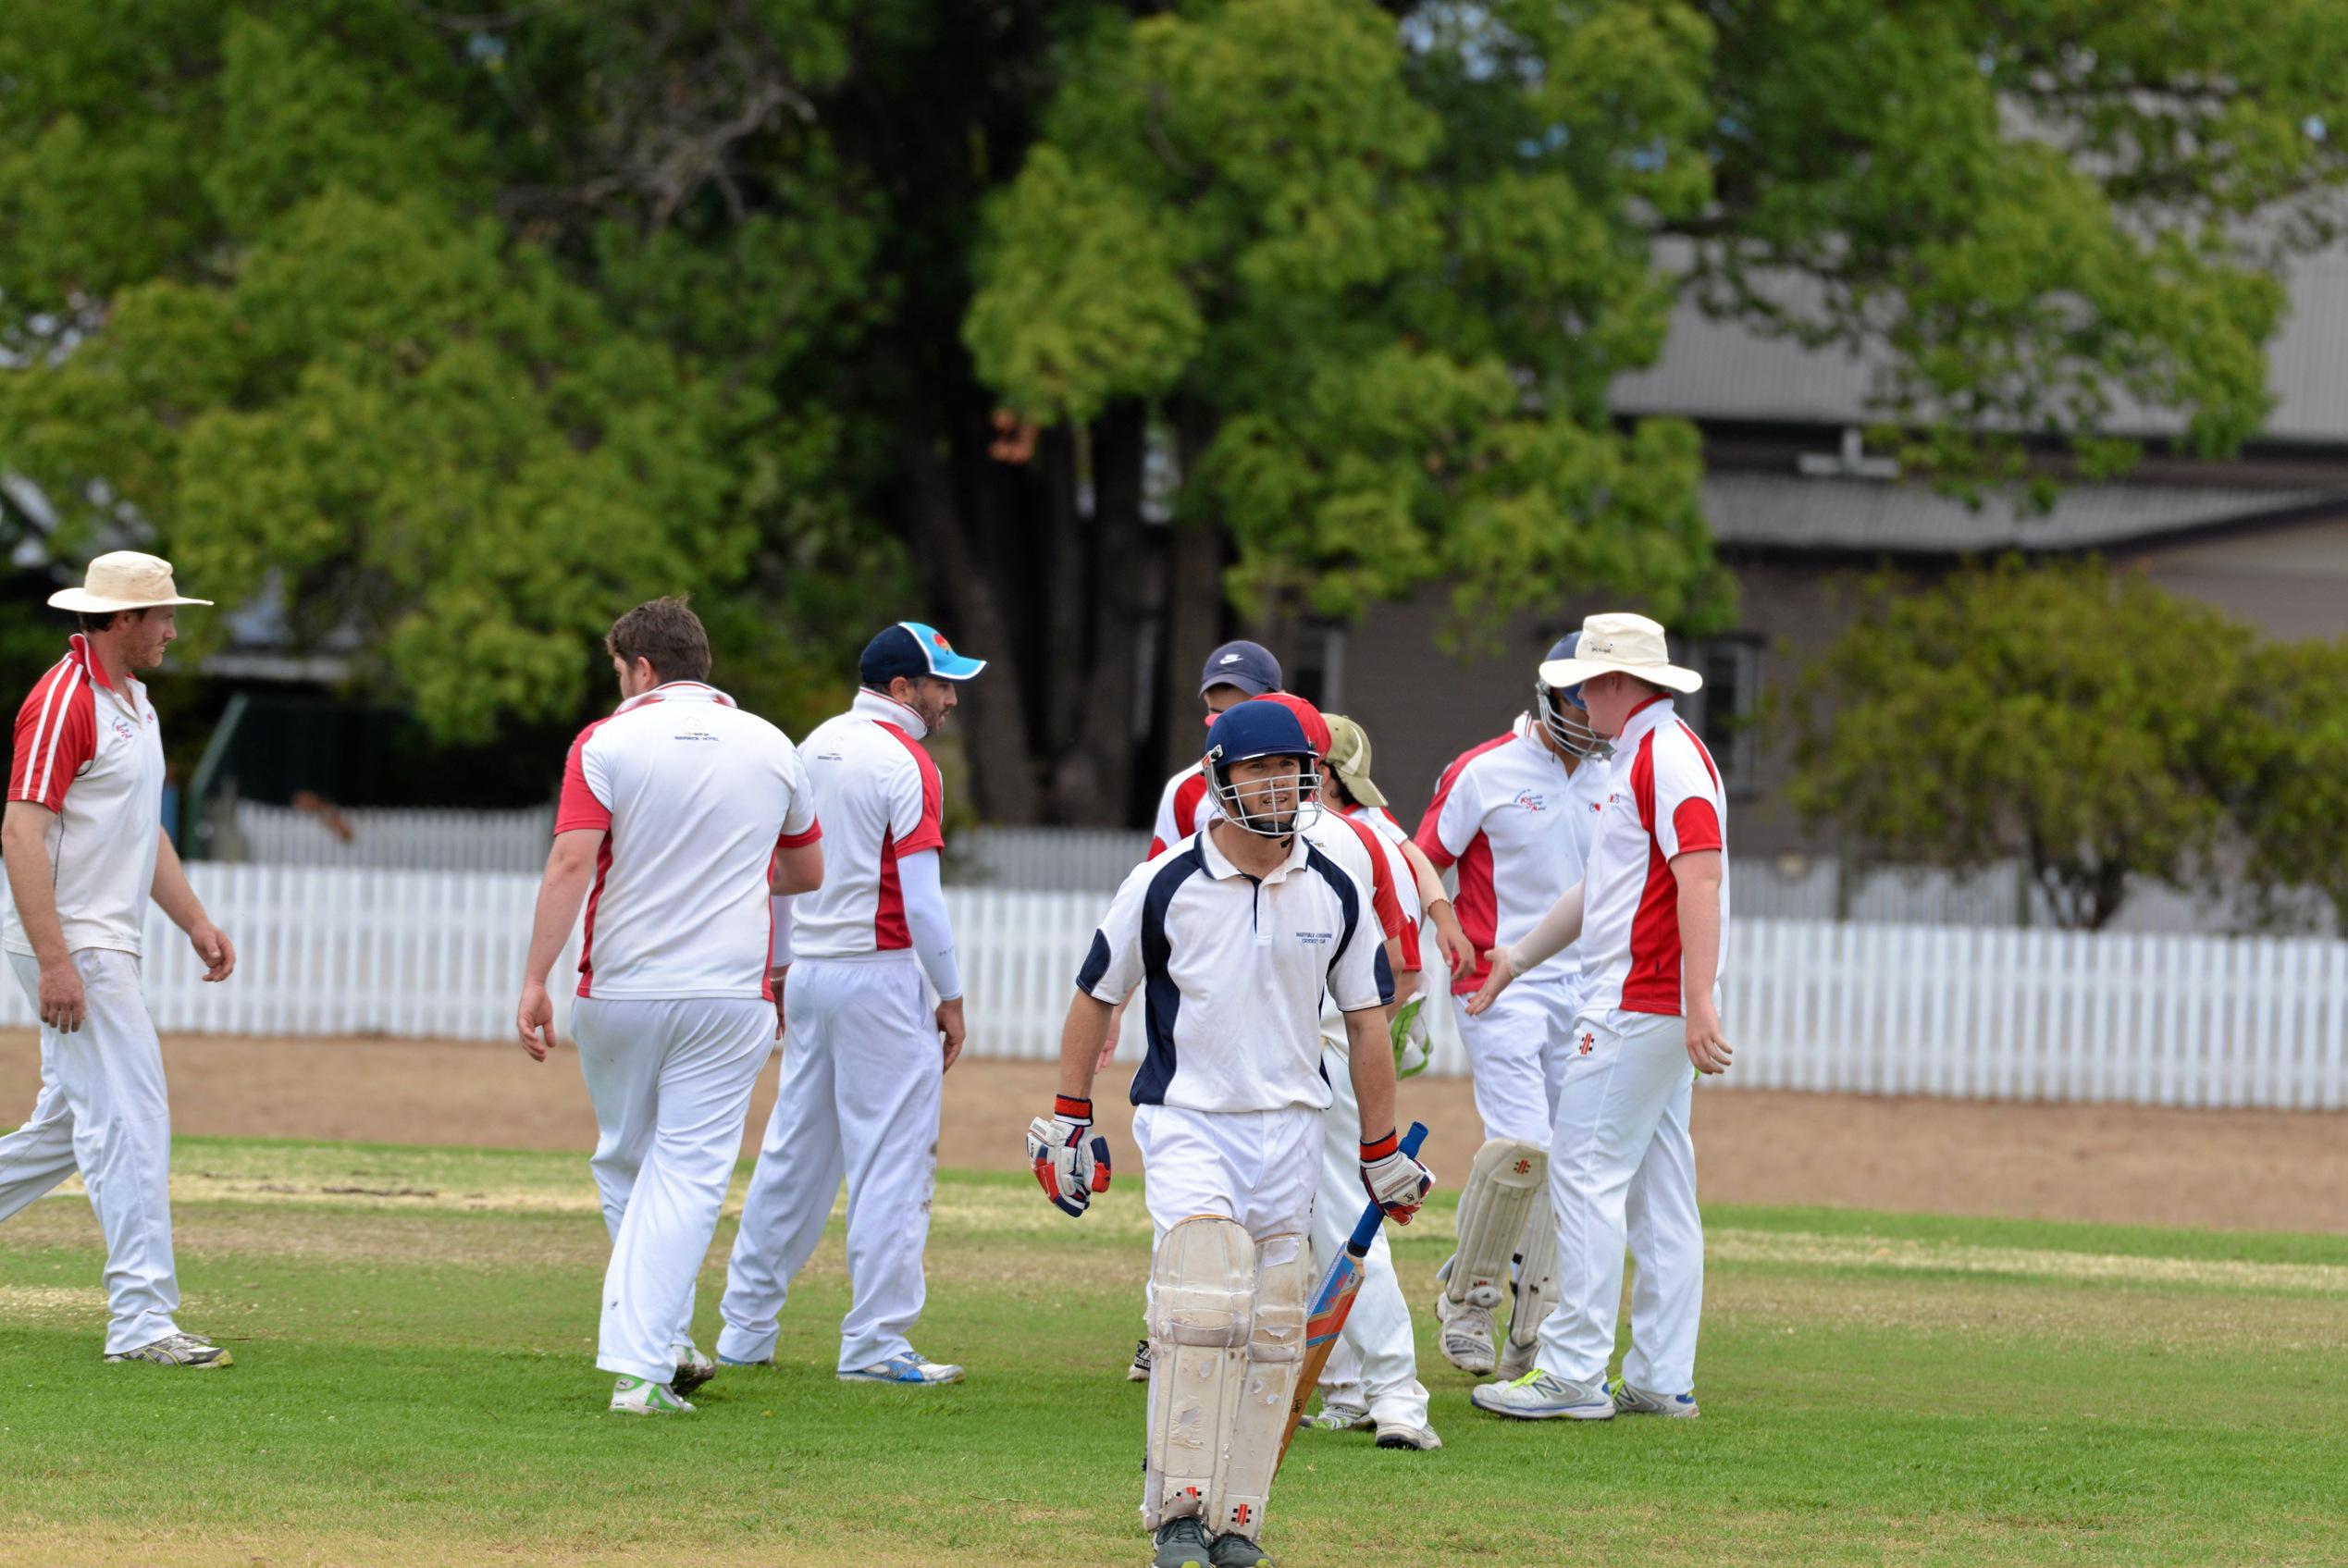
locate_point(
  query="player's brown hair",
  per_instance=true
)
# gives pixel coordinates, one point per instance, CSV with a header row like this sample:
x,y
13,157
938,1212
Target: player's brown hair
x,y
666,632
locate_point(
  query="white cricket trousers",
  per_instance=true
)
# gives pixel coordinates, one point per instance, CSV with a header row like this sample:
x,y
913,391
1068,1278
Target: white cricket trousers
x,y
1375,1361
103,1111
671,1082
1516,1054
1621,1167
863,1073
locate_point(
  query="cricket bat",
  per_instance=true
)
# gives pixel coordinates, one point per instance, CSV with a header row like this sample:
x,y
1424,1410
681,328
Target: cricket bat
x,y
1333,1303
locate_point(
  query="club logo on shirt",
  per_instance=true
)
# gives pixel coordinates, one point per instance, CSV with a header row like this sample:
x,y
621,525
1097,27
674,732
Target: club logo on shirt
x,y
694,732
1316,938
1532,800
122,727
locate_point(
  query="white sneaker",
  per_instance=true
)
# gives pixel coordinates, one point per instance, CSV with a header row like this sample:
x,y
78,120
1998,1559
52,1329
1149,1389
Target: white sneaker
x,y
190,1351
907,1367
1466,1338
693,1368
641,1396
1396,1435
1339,1418
1639,1402
1539,1396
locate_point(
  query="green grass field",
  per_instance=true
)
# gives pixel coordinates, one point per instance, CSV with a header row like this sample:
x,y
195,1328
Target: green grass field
x,y
414,1332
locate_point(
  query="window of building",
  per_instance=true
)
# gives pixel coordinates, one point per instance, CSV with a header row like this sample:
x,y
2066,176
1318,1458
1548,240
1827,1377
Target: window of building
x,y
1724,711
1315,670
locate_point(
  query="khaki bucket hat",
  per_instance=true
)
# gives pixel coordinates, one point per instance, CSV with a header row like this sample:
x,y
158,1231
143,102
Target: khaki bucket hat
x,y
1631,644
122,579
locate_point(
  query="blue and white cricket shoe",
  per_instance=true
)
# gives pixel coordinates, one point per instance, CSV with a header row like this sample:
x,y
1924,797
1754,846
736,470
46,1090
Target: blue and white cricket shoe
x,y
1539,1396
1639,1402
909,1367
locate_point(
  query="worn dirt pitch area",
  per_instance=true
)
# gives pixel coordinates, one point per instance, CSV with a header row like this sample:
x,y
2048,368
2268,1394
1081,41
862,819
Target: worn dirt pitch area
x,y
2228,1169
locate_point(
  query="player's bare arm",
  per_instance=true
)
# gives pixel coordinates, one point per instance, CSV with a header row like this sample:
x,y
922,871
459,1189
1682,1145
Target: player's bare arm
x,y
1698,873
1558,930
1433,897
177,899
799,869
24,839
570,866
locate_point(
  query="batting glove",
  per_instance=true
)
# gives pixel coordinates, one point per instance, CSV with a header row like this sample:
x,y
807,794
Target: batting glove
x,y
1396,1182
1407,1034
1067,1166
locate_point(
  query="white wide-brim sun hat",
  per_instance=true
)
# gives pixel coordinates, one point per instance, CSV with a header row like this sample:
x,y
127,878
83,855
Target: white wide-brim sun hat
x,y
1631,644
122,579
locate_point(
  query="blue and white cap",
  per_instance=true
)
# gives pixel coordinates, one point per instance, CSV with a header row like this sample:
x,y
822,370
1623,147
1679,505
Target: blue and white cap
x,y
913,650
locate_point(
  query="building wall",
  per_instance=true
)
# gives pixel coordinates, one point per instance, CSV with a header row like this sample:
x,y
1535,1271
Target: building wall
x,y
2289,582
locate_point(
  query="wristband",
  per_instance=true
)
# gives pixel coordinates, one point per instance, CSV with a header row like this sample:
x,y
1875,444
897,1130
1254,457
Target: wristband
x,y
1067,1108
1374,1150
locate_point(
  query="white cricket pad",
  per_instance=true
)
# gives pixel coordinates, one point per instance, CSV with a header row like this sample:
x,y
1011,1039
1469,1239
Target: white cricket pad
x,y
1507,1180
1275,1357
1536,1274
1202,1312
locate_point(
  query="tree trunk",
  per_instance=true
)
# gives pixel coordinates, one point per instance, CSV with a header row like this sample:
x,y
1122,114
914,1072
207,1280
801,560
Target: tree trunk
x,y
1093,772
992,720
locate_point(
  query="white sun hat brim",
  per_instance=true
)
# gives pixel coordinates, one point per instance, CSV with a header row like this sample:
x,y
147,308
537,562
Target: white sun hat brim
x,y
93,604
1574,671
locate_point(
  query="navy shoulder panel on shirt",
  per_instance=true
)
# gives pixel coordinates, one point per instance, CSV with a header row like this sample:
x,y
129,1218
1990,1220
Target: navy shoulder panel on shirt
x,y
1161,998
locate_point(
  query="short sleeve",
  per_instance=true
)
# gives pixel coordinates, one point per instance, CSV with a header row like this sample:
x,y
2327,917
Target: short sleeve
x,y
917,804
1453,818
57,736
1177,812
1359,977
1112,966
1406,894
586,802
800,826
1687,798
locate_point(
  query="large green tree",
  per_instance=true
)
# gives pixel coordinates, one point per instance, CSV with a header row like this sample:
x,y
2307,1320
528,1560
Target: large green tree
x,y
460,330
2056,713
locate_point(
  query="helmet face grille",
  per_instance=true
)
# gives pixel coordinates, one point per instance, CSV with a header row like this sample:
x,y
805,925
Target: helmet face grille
x,y
1566,725
1279,807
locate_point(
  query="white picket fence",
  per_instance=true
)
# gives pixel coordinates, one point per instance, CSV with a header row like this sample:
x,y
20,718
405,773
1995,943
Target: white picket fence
x,y
1999,1014
390,838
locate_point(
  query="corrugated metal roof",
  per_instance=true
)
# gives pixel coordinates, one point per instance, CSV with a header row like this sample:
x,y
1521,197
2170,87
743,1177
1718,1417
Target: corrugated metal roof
x,y
1718,370
1794,512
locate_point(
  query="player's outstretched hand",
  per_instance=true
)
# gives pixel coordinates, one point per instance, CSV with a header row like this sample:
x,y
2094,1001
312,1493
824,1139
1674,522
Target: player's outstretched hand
x,y
1705,1047
1069,1165
1494,983
1395,1182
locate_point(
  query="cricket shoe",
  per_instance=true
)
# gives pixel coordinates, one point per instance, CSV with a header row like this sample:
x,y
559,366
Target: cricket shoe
x,y
909,1367
641,1396
1180,1543
1466,1339
1401,1434
1639,1402
1140,1371
1234,1551
693,1368
178,1350
1539,1396
1339,1418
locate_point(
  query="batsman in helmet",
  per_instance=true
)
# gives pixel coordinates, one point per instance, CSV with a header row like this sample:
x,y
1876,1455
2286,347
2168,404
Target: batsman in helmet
x,y
1233,934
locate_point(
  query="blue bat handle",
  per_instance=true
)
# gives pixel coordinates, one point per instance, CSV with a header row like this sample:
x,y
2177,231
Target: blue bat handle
x,y
1367,1231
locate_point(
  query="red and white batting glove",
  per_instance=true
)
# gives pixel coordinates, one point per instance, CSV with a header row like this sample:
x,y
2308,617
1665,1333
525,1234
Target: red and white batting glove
x,y
1068,1166
1396,1182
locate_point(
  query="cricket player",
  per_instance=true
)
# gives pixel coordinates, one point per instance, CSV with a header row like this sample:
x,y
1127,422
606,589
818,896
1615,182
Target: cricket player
x,y
1653,918
1371,1379
85,849
689,816
1233,934
864,1068
1515,816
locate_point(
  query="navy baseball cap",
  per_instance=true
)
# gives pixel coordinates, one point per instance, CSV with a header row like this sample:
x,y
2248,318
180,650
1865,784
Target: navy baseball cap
x,y
1247,665
1250,729
913,650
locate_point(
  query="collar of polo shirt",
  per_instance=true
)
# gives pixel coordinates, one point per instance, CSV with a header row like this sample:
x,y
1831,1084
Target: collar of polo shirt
x,y
677,691
1219,867
1656,709
889,710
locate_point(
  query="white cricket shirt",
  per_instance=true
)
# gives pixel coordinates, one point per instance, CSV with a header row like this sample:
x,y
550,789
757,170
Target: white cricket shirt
x,y
693,797
1663,799
92,752
881,800
1518,827
1232,970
